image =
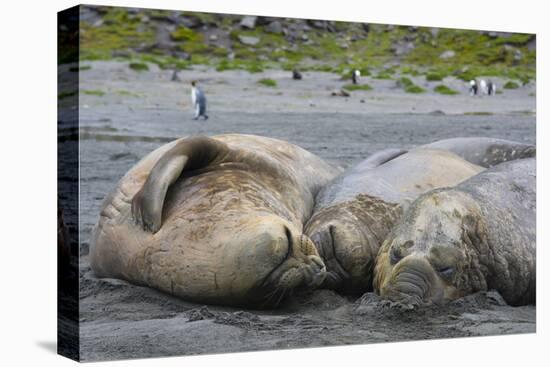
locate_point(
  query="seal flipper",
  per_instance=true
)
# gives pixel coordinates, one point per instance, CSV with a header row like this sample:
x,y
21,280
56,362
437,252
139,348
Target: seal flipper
x,y
380,157
188,154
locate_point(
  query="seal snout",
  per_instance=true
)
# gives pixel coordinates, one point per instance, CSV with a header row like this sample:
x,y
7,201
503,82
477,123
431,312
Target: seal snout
x,y
412,282
325,241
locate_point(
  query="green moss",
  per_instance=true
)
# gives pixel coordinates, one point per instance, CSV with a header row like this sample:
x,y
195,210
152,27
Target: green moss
x,y
443,89
138,66
478,113
409,86
120,31
250,66
94,92
414,89
127,93
383,76
409,70
185,34
268,82
510,85
434,77
194,48
352,87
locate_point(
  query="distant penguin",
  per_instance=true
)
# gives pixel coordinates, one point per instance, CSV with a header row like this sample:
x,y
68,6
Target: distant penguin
x,y
473,87
491,88
199,101
482,86
296,75
355,76
175,77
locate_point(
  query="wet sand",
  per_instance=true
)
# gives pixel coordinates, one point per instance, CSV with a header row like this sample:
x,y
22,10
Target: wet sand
x,y
140,111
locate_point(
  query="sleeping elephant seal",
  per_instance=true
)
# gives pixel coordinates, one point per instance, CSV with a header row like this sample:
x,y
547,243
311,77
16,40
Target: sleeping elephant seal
x,y
476,236
216,220
485,152
355,212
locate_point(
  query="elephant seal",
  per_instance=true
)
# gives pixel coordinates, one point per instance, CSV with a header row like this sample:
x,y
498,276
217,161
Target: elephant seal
x,y
355,212
477,236
485,152
216,220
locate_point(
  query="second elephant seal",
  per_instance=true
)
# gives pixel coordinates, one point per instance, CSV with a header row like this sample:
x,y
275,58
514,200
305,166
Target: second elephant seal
x,y
355,212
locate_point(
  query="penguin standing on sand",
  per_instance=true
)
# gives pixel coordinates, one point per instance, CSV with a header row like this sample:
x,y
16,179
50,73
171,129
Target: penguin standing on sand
x,y
473,87
355,76
199,101
491,88
483,86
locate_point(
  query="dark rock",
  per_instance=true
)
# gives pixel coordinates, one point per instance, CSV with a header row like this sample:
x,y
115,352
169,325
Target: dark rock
x,y
274,27
366,27
261,21
164,18
249,40
402,48
296,75
248,22
318,24
190,22
181,55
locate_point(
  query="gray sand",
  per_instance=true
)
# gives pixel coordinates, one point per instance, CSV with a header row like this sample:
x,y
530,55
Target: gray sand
x,y
141,110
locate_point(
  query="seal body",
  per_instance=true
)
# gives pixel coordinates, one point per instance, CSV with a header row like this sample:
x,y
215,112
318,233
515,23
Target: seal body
x,y
485,152
216,220
476,236
357,210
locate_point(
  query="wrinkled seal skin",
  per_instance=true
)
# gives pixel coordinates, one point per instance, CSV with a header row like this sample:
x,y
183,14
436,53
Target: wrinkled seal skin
x,y
215,220
355,212
477,236
485,152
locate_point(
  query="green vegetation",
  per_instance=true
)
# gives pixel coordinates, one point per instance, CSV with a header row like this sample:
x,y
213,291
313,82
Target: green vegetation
x,y
383,75
443,89
510,85
409,86
479,113
132,36
434,77
138,66
94,92
185,34
250,66
268,82
352,87
127,93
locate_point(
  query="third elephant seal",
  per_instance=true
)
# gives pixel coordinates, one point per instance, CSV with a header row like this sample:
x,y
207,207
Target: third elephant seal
x,y
477,236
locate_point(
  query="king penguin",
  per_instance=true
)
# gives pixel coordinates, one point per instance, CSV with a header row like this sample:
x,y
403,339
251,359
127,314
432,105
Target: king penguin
x,y
199,101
